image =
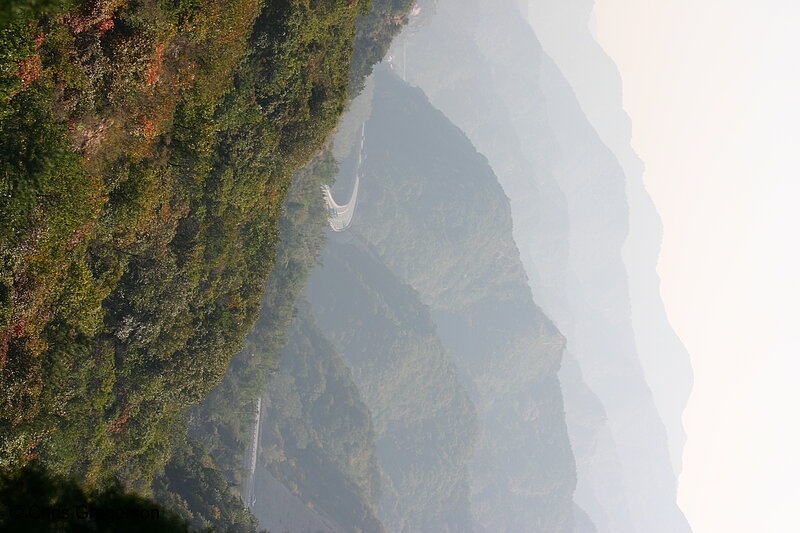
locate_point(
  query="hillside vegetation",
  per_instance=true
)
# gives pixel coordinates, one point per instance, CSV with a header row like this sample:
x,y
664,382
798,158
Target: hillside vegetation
x,y
423,419
318,438
436,215
146,148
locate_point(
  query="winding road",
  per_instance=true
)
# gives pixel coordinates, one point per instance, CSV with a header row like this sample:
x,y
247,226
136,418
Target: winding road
x,y
340,216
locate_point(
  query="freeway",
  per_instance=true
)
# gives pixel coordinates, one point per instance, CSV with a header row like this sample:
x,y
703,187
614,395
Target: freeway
x,y
340,216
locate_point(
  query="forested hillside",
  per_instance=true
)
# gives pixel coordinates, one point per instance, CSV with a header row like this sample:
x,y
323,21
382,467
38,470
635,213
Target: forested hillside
x,y
318,438
424,422
177,323
142,218
482,64
145,152
438,218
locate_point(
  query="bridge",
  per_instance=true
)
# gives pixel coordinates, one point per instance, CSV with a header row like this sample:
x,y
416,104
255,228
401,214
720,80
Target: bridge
x,y
340,216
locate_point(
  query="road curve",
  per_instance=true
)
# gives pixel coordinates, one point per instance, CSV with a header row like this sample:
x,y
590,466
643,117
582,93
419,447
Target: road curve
x,y
340,216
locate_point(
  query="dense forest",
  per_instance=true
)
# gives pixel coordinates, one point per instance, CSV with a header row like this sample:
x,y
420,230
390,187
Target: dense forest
x,y
318,437
435,215
146,150
424,421
576,215
63,504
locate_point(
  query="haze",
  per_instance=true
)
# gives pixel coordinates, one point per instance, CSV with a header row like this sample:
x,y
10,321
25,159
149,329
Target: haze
x,y
399,266
712,91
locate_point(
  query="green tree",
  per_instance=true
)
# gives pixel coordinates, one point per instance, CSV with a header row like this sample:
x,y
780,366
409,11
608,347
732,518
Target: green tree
x,y
32,500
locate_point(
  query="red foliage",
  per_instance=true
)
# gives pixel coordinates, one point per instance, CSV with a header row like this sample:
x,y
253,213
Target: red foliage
x,y
165,211
31,456
149,128
105,25
96,13
119,424
154,68
29,68
77,23
19,329
274,197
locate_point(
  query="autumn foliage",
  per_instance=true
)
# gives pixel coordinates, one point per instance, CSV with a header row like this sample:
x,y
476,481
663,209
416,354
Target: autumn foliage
x,y
145,152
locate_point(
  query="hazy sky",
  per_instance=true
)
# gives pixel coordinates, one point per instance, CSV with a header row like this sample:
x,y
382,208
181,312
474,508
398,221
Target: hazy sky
x,y
712,87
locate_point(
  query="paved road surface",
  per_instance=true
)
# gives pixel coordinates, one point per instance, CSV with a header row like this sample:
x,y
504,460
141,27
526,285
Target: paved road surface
x,y
340,216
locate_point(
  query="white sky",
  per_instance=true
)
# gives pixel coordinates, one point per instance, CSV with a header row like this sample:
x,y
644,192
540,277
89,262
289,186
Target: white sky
x,y
713,88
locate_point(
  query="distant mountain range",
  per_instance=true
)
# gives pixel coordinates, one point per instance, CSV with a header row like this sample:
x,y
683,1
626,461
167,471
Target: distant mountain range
x,y
483,65
483,349
539,429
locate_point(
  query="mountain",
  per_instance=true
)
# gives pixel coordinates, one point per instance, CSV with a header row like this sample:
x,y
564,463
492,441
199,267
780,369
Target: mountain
x,y
317,436
564,29
424,421
148,164
146,150
482,65
435,213
175,322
